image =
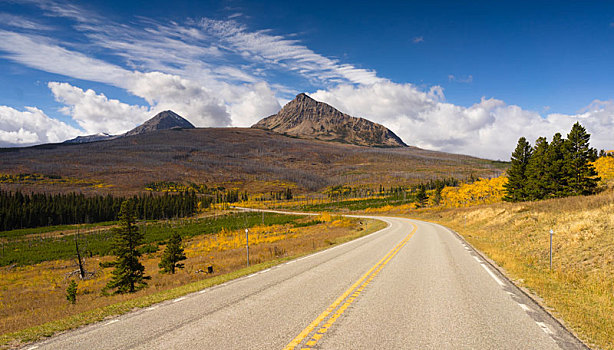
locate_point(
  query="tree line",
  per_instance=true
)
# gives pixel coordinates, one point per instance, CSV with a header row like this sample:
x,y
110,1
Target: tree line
x,y
19,210
559,168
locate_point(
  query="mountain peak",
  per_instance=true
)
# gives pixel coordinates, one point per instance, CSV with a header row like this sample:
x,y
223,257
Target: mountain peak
x,y
307,118
161,121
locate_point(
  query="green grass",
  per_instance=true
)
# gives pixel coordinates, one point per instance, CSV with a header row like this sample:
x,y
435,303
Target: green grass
x,y
19,233
48,329
361,204
32,251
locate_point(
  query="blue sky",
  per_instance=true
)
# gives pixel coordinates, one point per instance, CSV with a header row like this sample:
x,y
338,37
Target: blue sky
x,y
463,77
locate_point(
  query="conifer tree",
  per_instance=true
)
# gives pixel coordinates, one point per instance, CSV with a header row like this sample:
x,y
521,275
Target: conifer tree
x,y
517,178
71,292
580,174
129,274
421,196
555,167
172,255
537,185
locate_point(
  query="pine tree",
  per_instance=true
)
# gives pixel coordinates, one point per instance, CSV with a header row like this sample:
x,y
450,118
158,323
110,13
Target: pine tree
x,y
555,167
580,174
421,196
129,274
537,186
517,178
71,292
172,255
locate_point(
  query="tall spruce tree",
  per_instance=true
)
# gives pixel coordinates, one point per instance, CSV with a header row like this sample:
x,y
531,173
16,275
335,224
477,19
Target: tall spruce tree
x,y
555,167
537,182
516,185
129,274
172,255
580,174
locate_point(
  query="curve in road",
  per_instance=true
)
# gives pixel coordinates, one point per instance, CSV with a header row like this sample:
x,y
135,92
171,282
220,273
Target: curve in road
x,y
412,285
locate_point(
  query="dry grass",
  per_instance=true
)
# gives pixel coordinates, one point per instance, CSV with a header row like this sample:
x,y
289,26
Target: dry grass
x,y
31,296
580,288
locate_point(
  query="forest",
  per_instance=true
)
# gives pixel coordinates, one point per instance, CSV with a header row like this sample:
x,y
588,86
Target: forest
x,y
19,210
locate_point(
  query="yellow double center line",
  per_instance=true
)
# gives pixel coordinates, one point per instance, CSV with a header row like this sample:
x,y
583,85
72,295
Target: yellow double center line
x,y
345,300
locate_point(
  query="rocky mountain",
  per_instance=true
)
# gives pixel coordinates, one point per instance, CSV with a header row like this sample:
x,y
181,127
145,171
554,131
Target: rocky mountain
x,y
161,121
307,118
92,138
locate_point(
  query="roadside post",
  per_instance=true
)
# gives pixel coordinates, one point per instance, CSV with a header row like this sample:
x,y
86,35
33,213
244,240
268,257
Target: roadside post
x,y
551,233
247,244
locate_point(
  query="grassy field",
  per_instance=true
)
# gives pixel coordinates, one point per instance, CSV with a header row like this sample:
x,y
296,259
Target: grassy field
x,y
580,287
33,296
45,247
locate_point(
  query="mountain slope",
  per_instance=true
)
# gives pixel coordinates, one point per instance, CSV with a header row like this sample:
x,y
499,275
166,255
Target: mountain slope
x,y
92,138
307,118
161,121
249,159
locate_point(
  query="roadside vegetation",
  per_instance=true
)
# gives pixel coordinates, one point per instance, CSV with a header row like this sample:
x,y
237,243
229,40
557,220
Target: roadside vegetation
x,y
37,299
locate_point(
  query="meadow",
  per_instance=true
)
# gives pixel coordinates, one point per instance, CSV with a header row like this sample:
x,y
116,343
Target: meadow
x,y
32,296
56,245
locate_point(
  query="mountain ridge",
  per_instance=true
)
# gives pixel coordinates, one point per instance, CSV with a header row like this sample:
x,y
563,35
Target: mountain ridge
x,y
304,117
161,121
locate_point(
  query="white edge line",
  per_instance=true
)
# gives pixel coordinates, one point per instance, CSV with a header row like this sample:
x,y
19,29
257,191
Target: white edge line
x,y
32,347
152,307
524,307
477,259
179,299
111,322
544,327
493,275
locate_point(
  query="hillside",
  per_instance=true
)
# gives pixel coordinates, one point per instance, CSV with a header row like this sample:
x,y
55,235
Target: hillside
x,y
307,118
248,159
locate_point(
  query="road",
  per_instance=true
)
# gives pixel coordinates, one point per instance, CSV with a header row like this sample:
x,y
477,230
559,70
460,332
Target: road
x,y
413,285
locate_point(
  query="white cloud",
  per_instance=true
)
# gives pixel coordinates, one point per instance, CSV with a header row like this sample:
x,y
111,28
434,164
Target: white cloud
x,y
32,126
251,103
191,100
21,22
418,39
487,129
95,112
41,53
262,47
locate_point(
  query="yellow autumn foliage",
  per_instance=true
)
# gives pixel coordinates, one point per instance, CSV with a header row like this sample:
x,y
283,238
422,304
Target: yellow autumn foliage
x,y
482,191
605,168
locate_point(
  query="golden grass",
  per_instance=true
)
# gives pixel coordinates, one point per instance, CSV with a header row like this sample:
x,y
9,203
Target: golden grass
x,y
580,288
32,298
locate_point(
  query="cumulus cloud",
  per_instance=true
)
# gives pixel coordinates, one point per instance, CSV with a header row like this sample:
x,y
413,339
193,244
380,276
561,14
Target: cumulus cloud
x,y
489,128
32,126
250,103
185,97
95,112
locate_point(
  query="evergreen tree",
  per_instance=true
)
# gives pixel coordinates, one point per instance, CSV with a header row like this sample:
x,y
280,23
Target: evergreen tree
x,y
71,292
537,185
517,178
421,196
555,167
172,255
129,274
580,174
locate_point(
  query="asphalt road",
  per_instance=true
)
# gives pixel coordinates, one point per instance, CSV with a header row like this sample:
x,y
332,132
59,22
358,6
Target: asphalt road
x,y
413,285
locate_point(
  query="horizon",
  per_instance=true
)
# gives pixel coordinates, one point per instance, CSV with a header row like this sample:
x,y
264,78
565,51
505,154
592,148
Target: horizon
x,y
467,79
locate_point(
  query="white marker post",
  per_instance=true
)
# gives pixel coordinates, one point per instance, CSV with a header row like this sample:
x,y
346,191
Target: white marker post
x,y
551,233
247,244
